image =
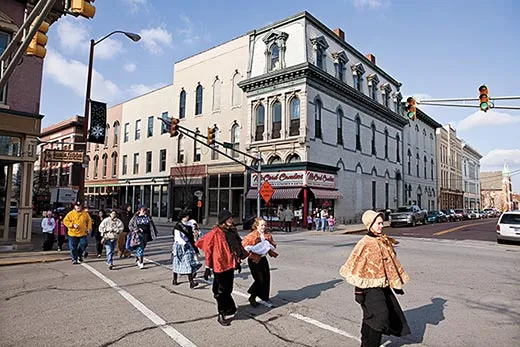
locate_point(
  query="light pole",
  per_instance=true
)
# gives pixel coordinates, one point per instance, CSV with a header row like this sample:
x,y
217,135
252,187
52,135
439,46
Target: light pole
x,y
132,36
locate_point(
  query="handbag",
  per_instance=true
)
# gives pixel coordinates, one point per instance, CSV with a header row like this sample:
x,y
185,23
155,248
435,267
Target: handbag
x,y
135,241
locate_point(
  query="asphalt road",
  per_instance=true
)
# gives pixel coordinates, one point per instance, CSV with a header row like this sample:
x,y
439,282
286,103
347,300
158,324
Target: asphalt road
x,y
462,293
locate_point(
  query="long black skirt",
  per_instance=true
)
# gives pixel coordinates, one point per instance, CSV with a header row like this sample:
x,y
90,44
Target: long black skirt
x,y
222,289
262,278
381,312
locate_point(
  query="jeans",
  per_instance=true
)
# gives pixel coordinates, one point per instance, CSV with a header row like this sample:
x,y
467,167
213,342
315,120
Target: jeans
x,y
110,246
324,224
317,223
77,245
139,251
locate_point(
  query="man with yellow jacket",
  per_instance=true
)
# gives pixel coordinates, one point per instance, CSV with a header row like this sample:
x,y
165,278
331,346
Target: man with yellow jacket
x,y
79,225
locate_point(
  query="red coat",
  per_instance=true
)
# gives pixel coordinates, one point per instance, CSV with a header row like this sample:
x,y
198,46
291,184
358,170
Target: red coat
x,y
217,252
60,228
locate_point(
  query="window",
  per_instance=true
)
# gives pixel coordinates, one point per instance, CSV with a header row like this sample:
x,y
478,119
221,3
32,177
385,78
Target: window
x,y
425,165
4,41
87,169
358,134
294,127
197,153
275,159
116,133
164,127
127,132
417,159
136,164
340,70
114,164
317,118
373,82
214,154
373,126
386,90
294,158
386,144
216,94
162,160
340,126
397,148
357,75
96,166
276,110
180,149
148,167
274,55
137,130
198,100
320,46
149,128
236,93
125,165
182,104
432,168
260,123
319,57
105,163
374,195
386,195
235,139
106,135
409,162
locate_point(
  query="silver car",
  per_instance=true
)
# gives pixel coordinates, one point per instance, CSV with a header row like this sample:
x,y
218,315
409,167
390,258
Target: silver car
x,y
508,227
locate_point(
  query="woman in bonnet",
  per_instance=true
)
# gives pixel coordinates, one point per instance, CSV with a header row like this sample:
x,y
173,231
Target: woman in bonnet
x,y
374,270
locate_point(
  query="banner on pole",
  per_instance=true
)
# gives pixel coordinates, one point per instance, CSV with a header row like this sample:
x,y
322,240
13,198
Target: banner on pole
x,y
98,121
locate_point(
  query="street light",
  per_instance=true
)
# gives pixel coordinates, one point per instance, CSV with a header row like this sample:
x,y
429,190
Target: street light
x,y
132,36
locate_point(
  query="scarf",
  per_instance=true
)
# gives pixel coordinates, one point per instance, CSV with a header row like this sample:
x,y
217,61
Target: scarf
x,y
187,231
233,240
373,263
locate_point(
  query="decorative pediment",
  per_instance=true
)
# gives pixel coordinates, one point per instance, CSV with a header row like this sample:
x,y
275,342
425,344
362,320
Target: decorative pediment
x,y
386,89
358,69
373,80
320,41
275,35
397,96
340,57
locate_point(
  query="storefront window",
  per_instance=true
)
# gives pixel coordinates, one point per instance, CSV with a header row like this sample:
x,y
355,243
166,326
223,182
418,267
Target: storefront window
x,y
224,180
224,200
213,200
164,200
10,145
213,181
155,201
237,180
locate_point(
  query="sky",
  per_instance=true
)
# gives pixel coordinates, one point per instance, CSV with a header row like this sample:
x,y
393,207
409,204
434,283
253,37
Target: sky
x,y
435,48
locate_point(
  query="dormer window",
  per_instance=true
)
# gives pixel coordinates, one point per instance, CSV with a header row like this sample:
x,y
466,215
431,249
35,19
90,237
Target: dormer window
x,y
275,50
373,81
386,90
340,61
320,46
397,102
357,74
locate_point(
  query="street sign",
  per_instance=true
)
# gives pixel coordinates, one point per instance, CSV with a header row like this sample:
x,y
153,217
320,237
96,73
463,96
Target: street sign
x,y
63,156
266,191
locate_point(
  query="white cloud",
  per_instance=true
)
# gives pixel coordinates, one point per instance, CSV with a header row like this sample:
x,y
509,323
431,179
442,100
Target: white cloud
x,y
485,119
496,158
187,33
153,39
140,89
73,74
108,49
368,3
135,5
130,67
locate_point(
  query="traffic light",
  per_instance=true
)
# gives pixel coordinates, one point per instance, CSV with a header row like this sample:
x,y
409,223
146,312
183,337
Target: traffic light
x,y
174,128
211,136
411,110
83,8
38,42
483,97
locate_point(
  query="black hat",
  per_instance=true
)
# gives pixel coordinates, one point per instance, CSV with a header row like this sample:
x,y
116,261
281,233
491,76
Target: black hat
x,y
224,216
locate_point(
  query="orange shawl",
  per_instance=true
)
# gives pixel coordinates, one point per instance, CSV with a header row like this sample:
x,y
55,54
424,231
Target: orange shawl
x,y
374,263
252,239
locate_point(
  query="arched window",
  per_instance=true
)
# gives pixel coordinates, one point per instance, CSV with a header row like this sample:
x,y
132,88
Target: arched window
x,y
105,163
417,159
114,164
276,111
274,57
317,118
116,133
425,166
358,134
397,148
107,135
180,149
386,144
432,168
409,162
260,123
182,104
275,159
198,100
294,128
339,133
235,139
294,158
96,166
236,93
197,149
373,127
216,94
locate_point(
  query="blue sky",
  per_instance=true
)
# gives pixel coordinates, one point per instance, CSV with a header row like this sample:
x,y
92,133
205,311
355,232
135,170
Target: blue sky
x,y
437,49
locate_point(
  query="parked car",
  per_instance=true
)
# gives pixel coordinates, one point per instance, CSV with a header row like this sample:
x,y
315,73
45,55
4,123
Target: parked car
x,y
461,214
472,215
437,217
483,214
409,215
450,214
508,227
492,212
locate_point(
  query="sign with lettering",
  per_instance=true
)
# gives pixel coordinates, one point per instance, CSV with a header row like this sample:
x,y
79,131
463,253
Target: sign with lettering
x,y
63,156
266,191
303,178
320,179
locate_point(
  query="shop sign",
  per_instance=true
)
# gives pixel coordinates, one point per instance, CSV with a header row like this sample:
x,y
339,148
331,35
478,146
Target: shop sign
x,y
281,179
54,155
320,179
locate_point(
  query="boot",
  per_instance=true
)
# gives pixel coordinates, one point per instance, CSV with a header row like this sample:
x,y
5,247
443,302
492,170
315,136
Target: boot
x,y
252,301
222,321
193,284
207,273
174,282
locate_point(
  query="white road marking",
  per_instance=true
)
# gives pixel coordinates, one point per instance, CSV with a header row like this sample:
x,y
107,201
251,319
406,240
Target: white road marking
x,y
324,326
152,316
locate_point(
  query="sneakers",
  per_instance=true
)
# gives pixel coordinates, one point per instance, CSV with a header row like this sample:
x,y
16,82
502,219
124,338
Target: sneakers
x,y
99,256
223,321
269,304
75,262
252,301
140,265
59,249
80,259
110,266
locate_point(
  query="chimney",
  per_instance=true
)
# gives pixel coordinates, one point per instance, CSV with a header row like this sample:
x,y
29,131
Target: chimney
x,y
372,58
339,33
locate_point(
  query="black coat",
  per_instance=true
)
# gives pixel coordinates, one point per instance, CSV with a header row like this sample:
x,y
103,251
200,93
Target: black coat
x,y
125,218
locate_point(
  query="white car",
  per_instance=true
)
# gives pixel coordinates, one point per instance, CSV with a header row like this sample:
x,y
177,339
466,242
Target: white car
x,y
508,227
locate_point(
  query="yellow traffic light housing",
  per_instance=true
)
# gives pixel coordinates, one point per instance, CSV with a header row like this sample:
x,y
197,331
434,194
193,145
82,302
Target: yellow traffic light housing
x,y
38,42
211,136
174,128
83,8
483,98
411,109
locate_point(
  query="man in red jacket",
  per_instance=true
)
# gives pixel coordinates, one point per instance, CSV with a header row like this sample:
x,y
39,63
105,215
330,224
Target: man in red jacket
x,y
223,251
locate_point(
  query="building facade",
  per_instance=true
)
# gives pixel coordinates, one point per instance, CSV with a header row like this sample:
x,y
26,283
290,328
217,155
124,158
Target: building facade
x,y
497,190
471,177
449,157
420,163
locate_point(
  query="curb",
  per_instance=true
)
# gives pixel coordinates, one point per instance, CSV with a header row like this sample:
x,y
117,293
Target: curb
x,y
11,262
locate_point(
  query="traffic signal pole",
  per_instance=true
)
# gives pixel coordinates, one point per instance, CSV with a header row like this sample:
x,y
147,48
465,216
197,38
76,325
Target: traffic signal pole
x,y
442,102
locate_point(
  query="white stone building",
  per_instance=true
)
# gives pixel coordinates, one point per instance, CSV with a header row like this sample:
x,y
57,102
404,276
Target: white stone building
x,y
449,168
470,176
420,162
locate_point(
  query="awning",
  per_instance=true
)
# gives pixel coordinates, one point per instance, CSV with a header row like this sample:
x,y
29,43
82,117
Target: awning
x,y
326,194
279,193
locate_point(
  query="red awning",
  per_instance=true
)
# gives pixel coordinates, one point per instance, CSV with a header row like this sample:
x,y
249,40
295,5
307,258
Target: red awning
x,y
279,193
326,194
